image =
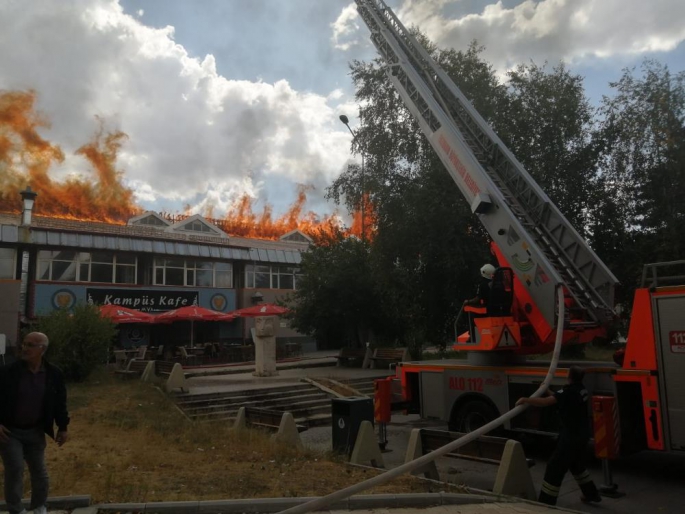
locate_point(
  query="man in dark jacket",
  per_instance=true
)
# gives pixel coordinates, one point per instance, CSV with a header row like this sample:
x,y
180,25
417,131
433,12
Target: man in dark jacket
x,y
33,400
574,435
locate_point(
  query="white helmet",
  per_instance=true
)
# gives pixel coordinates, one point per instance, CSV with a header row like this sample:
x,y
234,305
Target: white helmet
x,y
487,271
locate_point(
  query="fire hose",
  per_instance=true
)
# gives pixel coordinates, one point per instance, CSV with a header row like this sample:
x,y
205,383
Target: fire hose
x,y
319,503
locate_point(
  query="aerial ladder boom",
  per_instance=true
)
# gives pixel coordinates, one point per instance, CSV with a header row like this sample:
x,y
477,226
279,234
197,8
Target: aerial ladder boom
x,y
528,230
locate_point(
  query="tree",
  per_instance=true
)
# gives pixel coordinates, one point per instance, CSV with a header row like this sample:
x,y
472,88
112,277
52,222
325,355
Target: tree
x,y
427,245
336,298
79,340
547,123
643,130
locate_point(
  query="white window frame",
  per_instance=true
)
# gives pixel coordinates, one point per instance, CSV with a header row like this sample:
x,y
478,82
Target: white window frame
x,y
159,263
78,262
14,263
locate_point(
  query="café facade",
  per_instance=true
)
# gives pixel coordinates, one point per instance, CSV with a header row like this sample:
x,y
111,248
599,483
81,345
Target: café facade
x,y
150,264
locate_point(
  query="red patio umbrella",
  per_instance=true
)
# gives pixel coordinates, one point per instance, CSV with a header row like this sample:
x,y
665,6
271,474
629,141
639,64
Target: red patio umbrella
x,y
193,313
263,309
119,314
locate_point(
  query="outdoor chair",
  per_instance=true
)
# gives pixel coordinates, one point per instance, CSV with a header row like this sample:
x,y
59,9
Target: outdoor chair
x,y
185,357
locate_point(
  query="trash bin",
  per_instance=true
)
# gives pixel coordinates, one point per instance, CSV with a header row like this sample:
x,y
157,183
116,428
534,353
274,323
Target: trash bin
x,y
347,415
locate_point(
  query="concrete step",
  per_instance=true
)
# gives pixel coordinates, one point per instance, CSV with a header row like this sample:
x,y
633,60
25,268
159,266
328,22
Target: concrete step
x,y
314,420
185,399
294,408
229,403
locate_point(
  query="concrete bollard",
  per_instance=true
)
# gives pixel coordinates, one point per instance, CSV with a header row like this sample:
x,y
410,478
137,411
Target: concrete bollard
x,y
240,422
513,475
149,373
366,450
176,380
287,432
414,451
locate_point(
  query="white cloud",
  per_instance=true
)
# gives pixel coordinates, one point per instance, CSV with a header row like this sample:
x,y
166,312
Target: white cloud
x,y
194,135
542,29
555,29
346,28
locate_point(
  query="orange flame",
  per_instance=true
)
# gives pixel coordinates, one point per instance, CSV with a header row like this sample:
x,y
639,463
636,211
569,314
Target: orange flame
x,y
25,159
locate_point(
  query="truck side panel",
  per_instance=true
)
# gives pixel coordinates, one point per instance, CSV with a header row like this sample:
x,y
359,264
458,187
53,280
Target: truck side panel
x,y
670,336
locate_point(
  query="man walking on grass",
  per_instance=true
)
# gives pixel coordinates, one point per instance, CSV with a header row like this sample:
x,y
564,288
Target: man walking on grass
x,y
574,435
33,400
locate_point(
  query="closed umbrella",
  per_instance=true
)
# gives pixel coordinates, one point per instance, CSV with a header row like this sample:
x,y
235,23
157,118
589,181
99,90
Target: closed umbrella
x,y
193,313
119,314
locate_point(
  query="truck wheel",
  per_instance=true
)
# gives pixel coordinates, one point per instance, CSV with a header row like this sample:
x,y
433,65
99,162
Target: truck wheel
x,y
471,416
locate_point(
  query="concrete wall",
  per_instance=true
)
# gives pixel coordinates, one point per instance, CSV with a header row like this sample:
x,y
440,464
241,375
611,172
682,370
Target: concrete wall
x,y
9,310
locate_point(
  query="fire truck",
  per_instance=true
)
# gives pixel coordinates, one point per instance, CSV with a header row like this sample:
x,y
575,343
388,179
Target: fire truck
x,y
637,403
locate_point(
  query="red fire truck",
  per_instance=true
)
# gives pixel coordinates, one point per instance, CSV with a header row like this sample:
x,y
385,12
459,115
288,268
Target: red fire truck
x,y
638,403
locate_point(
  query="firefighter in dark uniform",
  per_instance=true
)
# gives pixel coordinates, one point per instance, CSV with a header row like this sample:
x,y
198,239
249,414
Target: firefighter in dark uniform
x,y
482,298
574,435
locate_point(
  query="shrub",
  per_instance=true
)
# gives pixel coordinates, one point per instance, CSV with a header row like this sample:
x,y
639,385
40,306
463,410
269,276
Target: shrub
x,y
79,340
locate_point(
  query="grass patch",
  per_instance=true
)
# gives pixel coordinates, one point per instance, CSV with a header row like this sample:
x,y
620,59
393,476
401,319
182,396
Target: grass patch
x,y
129,443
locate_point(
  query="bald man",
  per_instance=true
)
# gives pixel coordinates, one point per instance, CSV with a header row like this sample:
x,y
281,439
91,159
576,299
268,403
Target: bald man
x,y
33,400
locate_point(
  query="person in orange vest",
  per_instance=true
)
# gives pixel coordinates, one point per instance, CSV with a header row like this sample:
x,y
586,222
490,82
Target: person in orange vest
x,y
574,434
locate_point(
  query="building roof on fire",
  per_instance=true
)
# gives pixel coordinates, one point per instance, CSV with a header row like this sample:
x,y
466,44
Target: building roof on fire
x,y
151,238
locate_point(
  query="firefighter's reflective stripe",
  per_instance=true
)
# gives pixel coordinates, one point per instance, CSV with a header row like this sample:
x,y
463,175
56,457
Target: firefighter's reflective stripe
x,y
583,478
549,489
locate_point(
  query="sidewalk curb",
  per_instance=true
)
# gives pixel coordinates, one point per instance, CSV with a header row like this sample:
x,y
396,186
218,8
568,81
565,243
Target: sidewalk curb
x,y
268,505
59,502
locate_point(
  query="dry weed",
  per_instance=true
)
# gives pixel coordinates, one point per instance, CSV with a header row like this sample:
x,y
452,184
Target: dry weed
x,y
129,443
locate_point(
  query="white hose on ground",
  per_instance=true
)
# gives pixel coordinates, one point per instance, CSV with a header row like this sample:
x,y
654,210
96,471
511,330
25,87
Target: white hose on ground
x,y
408,467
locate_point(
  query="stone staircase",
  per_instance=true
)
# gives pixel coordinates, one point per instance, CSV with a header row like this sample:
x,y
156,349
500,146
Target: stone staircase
x,y
308,404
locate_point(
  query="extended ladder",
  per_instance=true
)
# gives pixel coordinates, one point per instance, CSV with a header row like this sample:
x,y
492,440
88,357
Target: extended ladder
x,y
541,245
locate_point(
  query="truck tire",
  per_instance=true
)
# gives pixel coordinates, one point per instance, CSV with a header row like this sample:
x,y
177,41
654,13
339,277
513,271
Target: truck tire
x,y
471,416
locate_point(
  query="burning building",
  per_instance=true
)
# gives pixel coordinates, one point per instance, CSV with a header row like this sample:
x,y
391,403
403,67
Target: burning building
x,y
151,263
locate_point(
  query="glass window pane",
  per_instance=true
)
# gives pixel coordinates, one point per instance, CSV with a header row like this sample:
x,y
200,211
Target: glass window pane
x,y
126,275
103,257
224,279
159,276
43,270
249,280
101,273
84,256
249,268
46,255
64,271
174,263
126,259
64,256
174,277
203,278
6,263
262,280
206,265
287,282
190,277
223,266
262,269
83,272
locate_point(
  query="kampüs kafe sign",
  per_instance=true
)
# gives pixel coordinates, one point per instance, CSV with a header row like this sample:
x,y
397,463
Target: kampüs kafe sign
x,y
142,299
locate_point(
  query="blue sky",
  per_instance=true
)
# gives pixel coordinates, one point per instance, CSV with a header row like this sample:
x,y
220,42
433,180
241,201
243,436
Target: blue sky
x,y
225,97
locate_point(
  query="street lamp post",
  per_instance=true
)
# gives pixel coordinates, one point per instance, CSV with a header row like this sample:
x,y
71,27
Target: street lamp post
x,y
346,122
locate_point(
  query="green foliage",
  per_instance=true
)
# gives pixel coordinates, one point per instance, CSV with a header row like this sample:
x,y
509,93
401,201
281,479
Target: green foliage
x,y
79,340
337,299
616,171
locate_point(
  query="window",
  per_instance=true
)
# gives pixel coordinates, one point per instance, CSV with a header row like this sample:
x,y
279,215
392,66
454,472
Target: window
x,y
152,221
270,277
69,266
197,226
7,269
177,272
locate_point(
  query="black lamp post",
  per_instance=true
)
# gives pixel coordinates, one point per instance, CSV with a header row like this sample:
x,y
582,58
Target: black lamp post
x,y
346,122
